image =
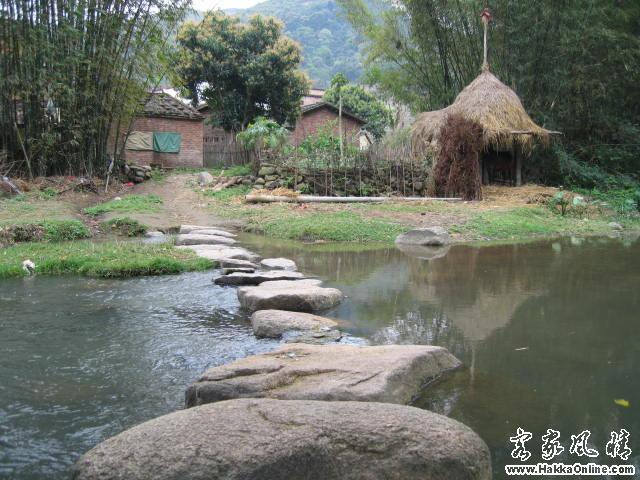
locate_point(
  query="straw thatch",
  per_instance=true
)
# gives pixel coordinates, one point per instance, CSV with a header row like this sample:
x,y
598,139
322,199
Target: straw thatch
x,y
495,107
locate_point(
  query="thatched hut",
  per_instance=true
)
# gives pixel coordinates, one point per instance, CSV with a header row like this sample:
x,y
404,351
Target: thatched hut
x,y
509,133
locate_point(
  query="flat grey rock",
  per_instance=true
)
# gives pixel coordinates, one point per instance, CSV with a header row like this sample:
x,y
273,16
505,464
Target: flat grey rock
x,y
315,337
289,296
262,439
257,278
386,373
279,264
274,323
237,263
221,252
307,282
432,236
213,231
196,239
191,228
205,178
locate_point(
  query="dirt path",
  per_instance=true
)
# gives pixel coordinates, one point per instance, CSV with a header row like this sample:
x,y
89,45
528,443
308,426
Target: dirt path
x,y
182,204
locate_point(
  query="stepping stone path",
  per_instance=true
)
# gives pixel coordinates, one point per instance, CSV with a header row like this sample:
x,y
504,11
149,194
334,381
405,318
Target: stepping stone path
x,y
221,253
237,263
210,230
316,337
265,439
257,278
279,264
202,239
228,271
294,296
275,323
387,373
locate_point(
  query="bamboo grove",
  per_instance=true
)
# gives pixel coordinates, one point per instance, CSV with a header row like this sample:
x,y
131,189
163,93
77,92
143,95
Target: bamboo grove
x,y
72,74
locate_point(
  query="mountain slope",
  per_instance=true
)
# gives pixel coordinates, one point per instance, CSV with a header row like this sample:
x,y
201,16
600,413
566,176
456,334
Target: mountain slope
x,y
329,43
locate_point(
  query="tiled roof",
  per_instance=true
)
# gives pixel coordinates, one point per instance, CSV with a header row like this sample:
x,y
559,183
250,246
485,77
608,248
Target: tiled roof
x,y
330,106
163,105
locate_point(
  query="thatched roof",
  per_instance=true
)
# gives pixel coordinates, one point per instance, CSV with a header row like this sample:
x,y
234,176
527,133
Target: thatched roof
x,y
493,105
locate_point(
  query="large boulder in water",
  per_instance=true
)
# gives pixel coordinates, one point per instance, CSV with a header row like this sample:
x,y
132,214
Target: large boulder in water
x,y
386,373
275,323
432,237
279,264
274,440
297,296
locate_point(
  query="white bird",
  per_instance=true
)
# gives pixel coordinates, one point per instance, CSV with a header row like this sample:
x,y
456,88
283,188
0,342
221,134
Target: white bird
x,y
29,267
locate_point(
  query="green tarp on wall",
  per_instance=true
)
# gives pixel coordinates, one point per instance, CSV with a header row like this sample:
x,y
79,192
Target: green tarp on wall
x,y
166,142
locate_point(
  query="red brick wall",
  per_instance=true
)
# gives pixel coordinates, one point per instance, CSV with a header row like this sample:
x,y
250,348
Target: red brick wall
x,y
312,121
190,154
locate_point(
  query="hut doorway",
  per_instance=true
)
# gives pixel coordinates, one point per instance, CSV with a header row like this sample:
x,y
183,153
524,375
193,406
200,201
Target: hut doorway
x,y
501,168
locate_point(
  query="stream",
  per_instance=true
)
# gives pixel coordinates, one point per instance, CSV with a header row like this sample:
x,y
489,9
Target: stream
x,y
548,332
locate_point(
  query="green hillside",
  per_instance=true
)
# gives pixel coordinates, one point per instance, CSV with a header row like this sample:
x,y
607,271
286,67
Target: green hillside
x,y
329,44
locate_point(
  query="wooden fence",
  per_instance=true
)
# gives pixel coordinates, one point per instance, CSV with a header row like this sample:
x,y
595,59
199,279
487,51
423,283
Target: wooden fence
x,y
218,155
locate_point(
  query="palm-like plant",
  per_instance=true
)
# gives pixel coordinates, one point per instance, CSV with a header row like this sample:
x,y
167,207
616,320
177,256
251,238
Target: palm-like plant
x,y
263,134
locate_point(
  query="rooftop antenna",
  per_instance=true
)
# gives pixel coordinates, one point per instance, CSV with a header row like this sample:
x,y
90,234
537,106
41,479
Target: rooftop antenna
x,y
485,16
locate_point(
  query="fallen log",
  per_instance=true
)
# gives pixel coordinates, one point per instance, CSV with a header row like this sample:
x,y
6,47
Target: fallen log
x,y
313,199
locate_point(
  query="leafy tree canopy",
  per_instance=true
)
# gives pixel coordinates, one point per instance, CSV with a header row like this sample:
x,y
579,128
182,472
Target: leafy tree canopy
x,y
357,100
242,71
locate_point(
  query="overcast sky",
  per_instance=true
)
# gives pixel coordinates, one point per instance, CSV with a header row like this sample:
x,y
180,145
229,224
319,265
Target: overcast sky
x,y
209,4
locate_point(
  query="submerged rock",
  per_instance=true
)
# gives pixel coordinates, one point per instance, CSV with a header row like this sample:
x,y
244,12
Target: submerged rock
x,y
432,236
388,373
294,296
196,239
279,264
274,323
257,278
272,439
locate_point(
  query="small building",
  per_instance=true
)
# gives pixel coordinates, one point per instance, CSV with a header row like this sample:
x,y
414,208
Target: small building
x,y
167,133
317,115
313,96
509,134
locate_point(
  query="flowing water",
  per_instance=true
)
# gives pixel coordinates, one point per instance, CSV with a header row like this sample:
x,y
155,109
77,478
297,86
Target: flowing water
x,y
548,332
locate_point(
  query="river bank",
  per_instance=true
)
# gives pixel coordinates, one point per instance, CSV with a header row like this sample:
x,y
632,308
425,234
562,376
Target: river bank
x,y
63,220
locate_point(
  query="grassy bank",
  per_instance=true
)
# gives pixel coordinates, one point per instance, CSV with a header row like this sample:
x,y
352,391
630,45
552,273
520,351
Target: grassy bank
x,y
108,259
42,231
127,204
382,222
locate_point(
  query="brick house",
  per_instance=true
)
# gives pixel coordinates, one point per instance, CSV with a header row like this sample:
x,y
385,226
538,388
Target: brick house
x,y
167,133
316,115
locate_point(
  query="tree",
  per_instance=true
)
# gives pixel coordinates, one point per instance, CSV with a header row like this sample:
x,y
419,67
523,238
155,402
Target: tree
x,y
358,101
242,71
72,73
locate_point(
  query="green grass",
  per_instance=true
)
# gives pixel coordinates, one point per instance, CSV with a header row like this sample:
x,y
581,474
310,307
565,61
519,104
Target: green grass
x,y
108,259
43,231
228,193
526,222
342,226
125,226
128,204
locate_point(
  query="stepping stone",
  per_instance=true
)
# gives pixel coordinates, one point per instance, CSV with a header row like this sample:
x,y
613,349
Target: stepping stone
x,y
307,282
316,337
264,439
218,231
236,263
279,264
221,252
193,239
274,323
289,296
386,373
257,278
228,271
432,237
213,231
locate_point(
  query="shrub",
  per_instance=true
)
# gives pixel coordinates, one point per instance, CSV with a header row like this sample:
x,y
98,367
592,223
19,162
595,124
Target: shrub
x,y
126,226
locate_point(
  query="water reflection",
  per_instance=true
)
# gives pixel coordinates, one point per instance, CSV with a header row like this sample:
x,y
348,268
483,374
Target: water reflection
x,y
548,331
